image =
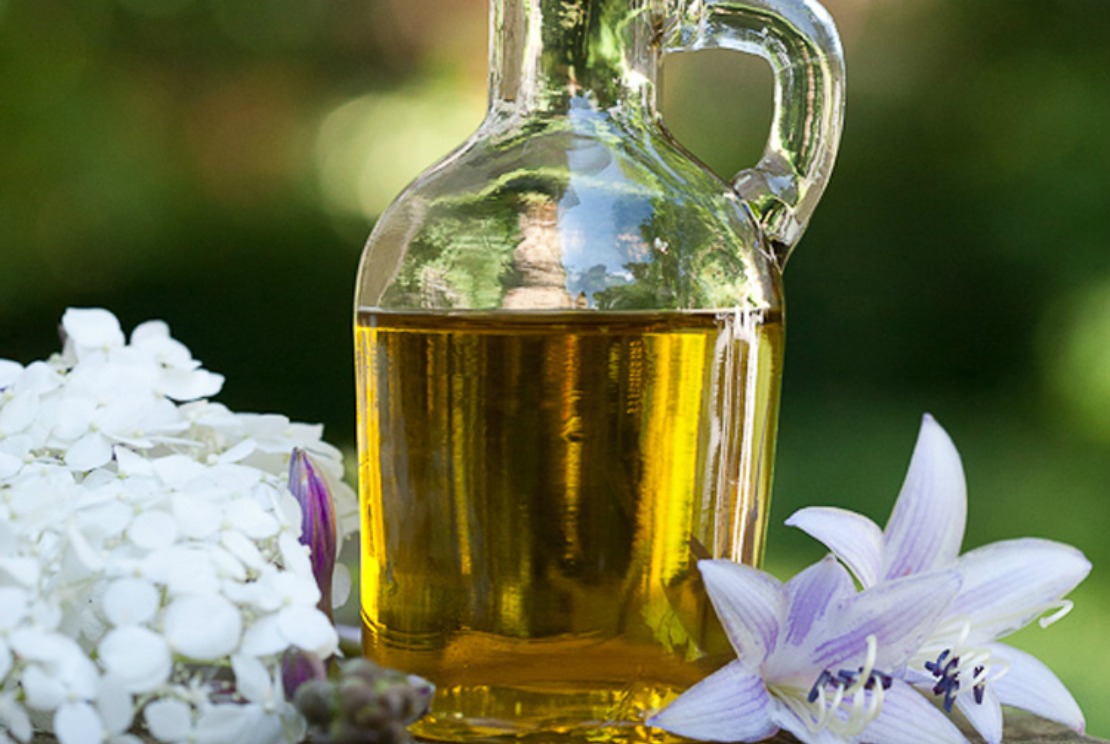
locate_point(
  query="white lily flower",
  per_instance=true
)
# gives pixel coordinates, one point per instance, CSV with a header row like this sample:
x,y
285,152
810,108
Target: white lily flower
x,y
1005,586
816,659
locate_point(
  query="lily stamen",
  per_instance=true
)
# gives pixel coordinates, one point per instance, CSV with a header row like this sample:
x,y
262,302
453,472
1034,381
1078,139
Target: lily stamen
x,y
845,691
1063,607
956,665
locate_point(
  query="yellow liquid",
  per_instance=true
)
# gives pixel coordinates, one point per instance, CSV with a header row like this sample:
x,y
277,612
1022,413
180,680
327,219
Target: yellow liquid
x,y
536,490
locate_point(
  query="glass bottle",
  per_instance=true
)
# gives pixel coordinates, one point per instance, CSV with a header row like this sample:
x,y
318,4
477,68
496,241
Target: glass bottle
x,y
569,350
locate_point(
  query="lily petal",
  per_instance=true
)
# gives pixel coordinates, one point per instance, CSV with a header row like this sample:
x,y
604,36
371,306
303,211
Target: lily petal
x,y
907,716
984,717
1009,583
900,614
811,595
927,526
750,605
788,718
732,704
853,538
1032,686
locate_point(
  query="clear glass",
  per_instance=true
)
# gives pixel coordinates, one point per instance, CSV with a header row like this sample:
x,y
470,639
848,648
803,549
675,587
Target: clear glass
x,y
569,346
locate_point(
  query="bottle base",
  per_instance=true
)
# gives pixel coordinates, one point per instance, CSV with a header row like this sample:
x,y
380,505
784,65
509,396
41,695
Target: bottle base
x,y
485,715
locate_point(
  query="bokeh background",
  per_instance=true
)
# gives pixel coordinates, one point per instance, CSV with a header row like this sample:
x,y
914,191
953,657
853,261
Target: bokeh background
x,y
218,164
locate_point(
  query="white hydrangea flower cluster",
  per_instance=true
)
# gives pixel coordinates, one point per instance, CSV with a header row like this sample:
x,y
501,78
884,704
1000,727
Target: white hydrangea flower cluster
x,y
151,575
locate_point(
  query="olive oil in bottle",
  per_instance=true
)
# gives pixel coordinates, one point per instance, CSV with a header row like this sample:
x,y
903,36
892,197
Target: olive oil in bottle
x,y
536,490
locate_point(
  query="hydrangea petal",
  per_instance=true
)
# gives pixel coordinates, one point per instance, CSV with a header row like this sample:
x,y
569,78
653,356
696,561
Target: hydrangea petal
x,y
203,626
309,630
42,690
9,372
749,604
78,723
152,530
985,717
130,464
18,413
89,452
732,704
1009,583
114,704
927,525
196,518
137,656
1031,686
907,716
240,546
25,571
251,519
130,601
853,538
5,658
15,718
252,681
185,385
263,637
294,555
220,724
36,644
168,719
92,327
9,465
340,585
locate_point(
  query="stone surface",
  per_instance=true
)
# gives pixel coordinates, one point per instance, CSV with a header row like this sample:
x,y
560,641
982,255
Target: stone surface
x,y
1019,730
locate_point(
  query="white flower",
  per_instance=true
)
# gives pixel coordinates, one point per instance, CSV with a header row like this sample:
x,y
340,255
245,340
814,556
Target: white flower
x,y
148,540
1005,586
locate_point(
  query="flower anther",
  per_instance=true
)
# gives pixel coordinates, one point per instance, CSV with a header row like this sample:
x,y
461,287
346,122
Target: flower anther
x,y
842,700
961,668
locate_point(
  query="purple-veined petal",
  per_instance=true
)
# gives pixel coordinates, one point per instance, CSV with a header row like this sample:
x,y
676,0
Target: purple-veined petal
x,y
927,525
1032,686
899,614
1009,583
789,719
811,595
749,604
985,717
731,704
853,538
318,522
906,716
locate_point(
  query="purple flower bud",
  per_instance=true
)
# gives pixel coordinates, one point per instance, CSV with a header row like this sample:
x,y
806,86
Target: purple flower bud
x,y
318,528
298,667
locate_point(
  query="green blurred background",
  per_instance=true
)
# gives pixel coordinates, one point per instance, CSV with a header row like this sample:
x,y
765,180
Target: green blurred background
x,y
218,164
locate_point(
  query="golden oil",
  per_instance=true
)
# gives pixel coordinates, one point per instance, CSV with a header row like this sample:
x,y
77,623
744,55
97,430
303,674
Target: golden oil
x,y
536,490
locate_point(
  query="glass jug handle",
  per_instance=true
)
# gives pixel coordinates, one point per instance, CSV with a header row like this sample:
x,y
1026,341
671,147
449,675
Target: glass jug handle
x,y
799,39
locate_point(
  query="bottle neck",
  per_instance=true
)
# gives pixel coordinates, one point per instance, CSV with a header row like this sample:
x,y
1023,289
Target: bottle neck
x,y
546,55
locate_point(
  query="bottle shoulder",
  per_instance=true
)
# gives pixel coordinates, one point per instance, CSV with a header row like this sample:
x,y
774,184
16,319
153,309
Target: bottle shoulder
x,y
568,212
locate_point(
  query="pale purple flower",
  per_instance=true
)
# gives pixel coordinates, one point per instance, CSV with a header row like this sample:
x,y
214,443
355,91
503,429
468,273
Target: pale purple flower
x,y
318,522
1004,587
816,658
